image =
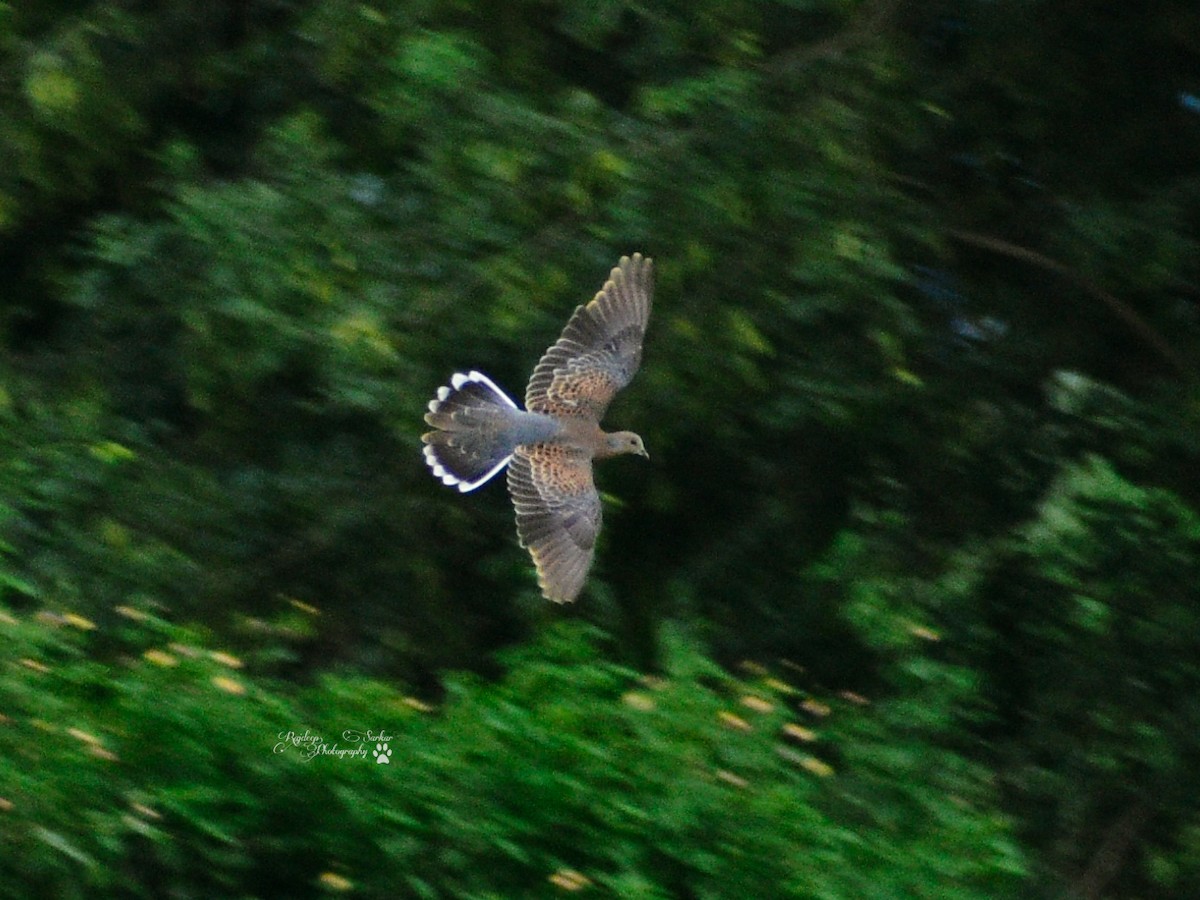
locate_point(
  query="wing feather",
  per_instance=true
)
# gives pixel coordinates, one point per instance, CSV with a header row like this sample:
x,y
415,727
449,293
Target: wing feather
x,y
599,350
558,514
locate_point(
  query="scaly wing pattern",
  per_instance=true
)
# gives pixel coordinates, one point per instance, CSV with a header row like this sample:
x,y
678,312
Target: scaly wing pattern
x,y
599,350
558,514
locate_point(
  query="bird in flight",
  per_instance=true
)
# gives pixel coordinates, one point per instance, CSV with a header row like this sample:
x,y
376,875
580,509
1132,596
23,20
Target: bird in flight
x,y
549,446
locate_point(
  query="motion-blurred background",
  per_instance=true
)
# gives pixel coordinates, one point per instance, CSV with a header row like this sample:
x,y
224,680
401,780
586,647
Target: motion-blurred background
x,y
906,602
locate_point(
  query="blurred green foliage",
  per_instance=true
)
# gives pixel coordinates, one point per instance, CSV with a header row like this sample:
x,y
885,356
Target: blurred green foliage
x,y
169,772
920,390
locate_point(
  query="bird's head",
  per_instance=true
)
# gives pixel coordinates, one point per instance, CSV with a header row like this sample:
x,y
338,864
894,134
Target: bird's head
x,y
624,442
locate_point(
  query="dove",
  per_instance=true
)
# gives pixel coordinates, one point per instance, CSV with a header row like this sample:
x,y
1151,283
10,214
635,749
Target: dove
x,y
548,447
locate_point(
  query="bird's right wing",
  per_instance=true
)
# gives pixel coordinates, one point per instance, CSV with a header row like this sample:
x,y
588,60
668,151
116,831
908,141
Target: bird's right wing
x,y
558,514
599,350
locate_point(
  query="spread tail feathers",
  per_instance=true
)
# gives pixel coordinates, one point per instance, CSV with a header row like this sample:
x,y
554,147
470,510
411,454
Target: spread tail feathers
x,y
473,438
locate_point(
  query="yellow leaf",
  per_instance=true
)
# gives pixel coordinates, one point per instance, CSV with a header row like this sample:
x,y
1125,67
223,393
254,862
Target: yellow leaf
x,y
816,767
332,881
228,685
111,452
735,722
159,658
49,87
799,732
815,707
79,622
730,778
569,880
758,704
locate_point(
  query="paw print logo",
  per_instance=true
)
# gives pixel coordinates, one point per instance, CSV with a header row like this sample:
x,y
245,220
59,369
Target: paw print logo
x,y
383,754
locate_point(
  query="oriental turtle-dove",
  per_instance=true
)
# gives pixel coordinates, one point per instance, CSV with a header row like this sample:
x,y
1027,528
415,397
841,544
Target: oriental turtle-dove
x,y
549,446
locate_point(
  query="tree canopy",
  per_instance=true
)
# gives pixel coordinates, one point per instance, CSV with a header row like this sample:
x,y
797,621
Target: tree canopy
x,y
905,603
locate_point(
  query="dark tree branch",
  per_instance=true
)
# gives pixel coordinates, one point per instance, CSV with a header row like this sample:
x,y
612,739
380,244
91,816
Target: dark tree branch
x,y
1108,859
1139,326
868,22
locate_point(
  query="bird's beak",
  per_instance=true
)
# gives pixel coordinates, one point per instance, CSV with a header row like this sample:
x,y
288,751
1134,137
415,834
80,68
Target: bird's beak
x,y
644,452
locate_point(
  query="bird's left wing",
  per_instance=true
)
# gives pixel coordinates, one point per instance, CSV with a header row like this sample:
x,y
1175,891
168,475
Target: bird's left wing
x,y
599,350
558,514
